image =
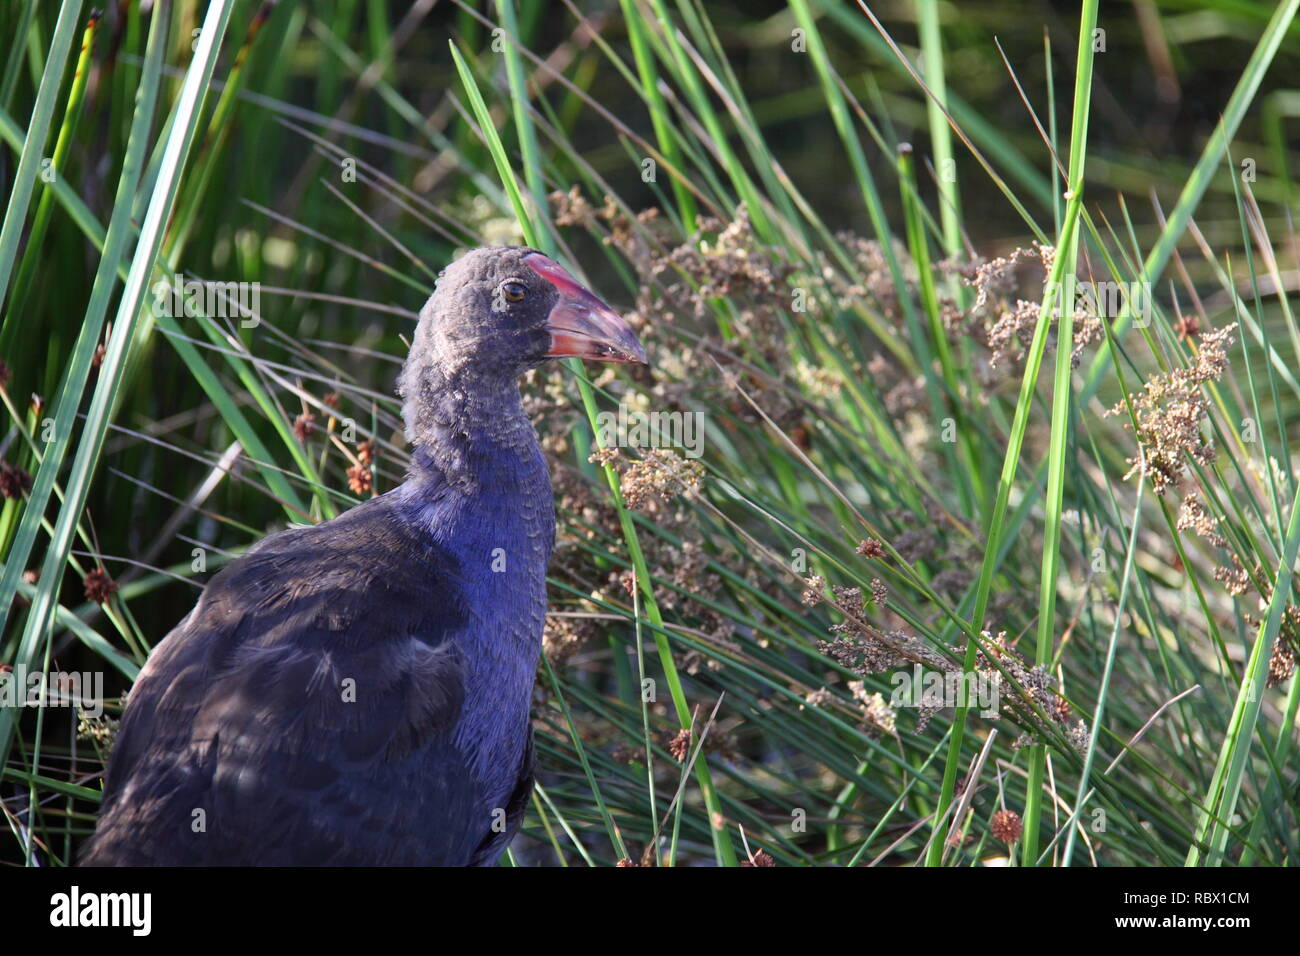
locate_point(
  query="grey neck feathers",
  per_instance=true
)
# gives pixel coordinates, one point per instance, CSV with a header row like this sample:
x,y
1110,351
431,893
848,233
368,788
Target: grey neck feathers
x,y
461,414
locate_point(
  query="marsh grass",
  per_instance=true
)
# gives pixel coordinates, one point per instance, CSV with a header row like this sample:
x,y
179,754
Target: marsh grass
x,y
889,485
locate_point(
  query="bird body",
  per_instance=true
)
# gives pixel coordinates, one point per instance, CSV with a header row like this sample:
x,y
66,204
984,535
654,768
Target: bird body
x,y
357,692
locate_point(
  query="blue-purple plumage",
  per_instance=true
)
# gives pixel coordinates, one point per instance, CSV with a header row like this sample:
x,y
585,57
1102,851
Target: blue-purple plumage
x,y
357,692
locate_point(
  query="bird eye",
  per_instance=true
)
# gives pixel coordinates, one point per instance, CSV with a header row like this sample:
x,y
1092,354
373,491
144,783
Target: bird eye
x,y
514,292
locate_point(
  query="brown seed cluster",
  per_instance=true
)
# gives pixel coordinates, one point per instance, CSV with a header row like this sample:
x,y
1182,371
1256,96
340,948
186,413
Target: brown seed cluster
x,y
1235,580
865,649
687,566
996,279
661,484
818,698
680,745
1170,411
814,591
99,587
1009,337
1087,329
14,481
1281,663
879,593
723,266
1187,327
304,426
878,718
1029,686
659,476
563,636
1192,516
361,480
870,279
609,457
1008,322
1006,826
870,548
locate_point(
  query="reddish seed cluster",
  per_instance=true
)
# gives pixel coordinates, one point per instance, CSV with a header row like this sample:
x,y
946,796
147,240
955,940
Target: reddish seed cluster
x,y
680,745
14,481
1006,826
361,476
361,480
99,586
303,426
871,548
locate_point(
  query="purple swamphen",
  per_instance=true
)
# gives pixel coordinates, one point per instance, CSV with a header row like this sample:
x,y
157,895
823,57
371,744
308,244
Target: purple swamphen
x,y
357,692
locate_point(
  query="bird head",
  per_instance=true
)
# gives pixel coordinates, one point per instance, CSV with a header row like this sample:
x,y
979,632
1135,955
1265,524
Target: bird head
x,y
497,312
505,309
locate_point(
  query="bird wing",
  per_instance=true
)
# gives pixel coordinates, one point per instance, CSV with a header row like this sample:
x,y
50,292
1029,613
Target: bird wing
x,y
294,716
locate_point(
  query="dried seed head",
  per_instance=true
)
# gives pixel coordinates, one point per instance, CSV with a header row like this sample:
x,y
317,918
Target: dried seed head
x,y
660,476
14,481
1169,413
99,586
1235,580
879,593
361,480
680,745
1006,826
605,456
1193,516
817,698
814,589
878,717
303,426
870,548
1281,664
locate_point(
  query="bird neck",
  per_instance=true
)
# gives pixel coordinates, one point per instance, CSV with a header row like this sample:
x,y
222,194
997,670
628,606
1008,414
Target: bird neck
x,y
468,427
480,488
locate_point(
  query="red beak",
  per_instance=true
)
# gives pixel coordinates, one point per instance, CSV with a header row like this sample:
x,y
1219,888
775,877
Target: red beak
x,y
580,324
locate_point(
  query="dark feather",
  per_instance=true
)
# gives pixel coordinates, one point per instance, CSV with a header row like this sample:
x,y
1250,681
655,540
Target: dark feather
x,y
269,724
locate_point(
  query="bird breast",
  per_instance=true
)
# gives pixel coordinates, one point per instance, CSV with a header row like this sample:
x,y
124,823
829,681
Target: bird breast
x,y
502,533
